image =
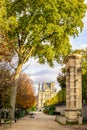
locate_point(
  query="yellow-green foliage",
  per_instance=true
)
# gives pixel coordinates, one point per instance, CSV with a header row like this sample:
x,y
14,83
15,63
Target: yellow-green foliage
x,y
58,98
61,96
52,101
43,25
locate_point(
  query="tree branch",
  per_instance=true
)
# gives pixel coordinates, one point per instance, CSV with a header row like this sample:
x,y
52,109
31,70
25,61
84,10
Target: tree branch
x,y
48,36
29,54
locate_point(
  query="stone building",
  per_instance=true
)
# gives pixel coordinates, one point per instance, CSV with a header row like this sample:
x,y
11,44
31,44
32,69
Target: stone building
x,y
45,92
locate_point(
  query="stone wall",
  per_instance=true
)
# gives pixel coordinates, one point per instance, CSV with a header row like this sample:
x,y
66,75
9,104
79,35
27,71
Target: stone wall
x,y
60,119
61,110
84,111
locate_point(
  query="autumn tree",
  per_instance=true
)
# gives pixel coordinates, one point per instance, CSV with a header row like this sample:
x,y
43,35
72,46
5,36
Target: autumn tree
x,y
40,29
25,92
6,49
6,81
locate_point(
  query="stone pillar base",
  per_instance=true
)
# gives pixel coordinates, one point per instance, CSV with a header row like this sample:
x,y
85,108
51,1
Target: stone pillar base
x,y
72,115
60,119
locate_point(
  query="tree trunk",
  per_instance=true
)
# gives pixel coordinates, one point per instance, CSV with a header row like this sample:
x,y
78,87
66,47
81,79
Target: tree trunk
x,y
13,93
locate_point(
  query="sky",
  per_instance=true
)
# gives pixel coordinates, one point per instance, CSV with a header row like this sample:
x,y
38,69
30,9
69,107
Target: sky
x,y
44,73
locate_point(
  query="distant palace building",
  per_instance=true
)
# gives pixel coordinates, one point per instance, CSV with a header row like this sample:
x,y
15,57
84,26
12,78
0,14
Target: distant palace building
x,y
45,92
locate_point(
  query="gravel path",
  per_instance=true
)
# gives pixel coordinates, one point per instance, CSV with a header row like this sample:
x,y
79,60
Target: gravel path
x,y
40,122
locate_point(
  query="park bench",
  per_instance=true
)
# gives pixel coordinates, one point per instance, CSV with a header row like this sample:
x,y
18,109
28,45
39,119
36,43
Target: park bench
x,y
6,122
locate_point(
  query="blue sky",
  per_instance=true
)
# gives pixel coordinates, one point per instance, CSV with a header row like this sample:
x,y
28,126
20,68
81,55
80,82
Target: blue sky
x,y
80,41
44,73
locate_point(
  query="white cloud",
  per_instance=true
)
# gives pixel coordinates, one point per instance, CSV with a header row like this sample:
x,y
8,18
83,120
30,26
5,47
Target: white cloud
x,y
42,73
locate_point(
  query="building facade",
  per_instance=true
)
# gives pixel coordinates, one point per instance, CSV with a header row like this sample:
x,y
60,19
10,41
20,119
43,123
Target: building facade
x,y
45,92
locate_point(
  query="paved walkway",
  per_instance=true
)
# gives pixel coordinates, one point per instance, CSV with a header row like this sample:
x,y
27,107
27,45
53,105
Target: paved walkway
x,y
40,122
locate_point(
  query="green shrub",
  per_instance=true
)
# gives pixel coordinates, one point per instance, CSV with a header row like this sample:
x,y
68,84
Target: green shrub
x,y
46,111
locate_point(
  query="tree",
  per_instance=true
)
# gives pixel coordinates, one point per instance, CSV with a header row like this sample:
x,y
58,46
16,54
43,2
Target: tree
x,y
25,93
6,49
84,74
40,29
52,101
62,96
84,87
61,78
6,80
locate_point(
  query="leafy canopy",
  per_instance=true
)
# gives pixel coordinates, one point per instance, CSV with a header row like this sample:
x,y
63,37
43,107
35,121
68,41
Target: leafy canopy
x,y
41,28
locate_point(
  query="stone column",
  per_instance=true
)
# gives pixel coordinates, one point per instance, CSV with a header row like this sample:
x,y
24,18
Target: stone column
x,y
73,88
